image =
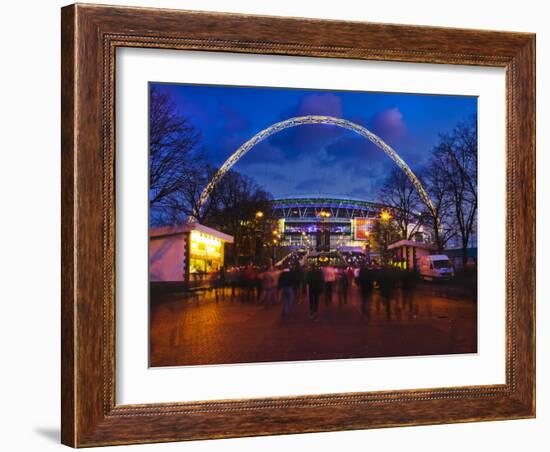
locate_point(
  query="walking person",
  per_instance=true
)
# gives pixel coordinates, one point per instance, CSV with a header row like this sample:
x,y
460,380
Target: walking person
x,y
286,284
329,276
233,280
408,283
343,286
219,284
304,284
250,276
365,281
387,286
350,273
315,283
269,286
297,274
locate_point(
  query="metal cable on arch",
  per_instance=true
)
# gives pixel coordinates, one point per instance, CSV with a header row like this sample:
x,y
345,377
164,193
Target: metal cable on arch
x,y
311,119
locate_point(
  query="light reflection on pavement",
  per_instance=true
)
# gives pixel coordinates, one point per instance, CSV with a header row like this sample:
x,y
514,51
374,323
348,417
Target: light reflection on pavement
x,y
429,320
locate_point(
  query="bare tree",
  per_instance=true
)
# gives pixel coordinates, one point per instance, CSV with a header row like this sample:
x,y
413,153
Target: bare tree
x,y
400,194
234,207
440,219
455,157
185,202
176,165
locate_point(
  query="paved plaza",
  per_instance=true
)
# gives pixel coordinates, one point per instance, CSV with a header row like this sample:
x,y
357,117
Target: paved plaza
x,y
433,319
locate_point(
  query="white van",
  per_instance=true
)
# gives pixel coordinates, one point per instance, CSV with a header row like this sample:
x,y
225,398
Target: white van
x,y
436,266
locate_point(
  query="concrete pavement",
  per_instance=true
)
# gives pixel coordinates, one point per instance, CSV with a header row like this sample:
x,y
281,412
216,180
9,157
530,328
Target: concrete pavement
x,y
431,320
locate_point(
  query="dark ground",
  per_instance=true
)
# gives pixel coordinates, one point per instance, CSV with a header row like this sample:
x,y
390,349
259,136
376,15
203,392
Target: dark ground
x,y
434,319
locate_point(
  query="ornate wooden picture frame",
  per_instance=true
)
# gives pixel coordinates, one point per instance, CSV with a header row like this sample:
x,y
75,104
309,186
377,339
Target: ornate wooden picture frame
x,y
90,37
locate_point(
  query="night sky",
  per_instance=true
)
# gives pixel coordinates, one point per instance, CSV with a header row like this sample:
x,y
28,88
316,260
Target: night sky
x,y
318,159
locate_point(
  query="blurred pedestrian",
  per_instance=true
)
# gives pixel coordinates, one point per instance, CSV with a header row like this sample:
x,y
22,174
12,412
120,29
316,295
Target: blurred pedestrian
x,y
249,280
350,273
297,275
387,281
286,284
329,277
219,284
365,281
343,286
233,278
304,283
408,284
315,282
269,281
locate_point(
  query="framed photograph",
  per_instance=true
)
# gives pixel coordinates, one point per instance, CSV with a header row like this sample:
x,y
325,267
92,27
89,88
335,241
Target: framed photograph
x,y
282,225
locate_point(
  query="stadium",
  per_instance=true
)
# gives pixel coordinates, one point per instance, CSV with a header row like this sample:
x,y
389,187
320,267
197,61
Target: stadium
x,y
329,223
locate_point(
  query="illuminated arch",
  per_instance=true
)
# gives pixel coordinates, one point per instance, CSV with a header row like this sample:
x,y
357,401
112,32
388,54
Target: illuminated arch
x,y
312,119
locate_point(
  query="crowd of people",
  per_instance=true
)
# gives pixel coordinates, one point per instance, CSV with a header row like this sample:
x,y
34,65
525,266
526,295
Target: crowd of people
x,y
297,284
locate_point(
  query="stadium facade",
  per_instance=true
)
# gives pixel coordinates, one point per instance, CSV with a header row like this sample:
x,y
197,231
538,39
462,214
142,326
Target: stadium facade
x,y
326,223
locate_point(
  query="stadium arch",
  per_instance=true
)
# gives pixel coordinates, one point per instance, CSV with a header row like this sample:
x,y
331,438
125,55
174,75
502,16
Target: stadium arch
x,y
311,119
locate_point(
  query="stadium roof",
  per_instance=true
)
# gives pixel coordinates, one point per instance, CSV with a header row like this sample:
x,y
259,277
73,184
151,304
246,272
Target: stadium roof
x,y
321,196
331,202
326,201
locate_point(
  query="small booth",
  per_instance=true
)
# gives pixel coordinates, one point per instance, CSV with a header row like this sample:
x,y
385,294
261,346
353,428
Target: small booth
x,y
407,252
185,252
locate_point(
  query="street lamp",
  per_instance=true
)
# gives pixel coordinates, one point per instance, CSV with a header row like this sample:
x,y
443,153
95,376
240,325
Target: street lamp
x,y
256,240
385,215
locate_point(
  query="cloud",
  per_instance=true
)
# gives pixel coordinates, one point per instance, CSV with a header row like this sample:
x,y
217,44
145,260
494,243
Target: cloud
x,y
309,138
318,158
325,172
388,125
320,104
357,154
346,164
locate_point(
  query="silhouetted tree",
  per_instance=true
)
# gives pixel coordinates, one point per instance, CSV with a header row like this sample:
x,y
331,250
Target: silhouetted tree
x,y
399,193
176,164
455,164
440,219
241,208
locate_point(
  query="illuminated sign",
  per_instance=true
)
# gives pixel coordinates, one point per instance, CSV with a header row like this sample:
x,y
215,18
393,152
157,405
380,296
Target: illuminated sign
x,y
204,245
362,228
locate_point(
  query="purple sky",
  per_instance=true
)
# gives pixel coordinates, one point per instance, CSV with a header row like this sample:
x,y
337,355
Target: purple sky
x,y
321,159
